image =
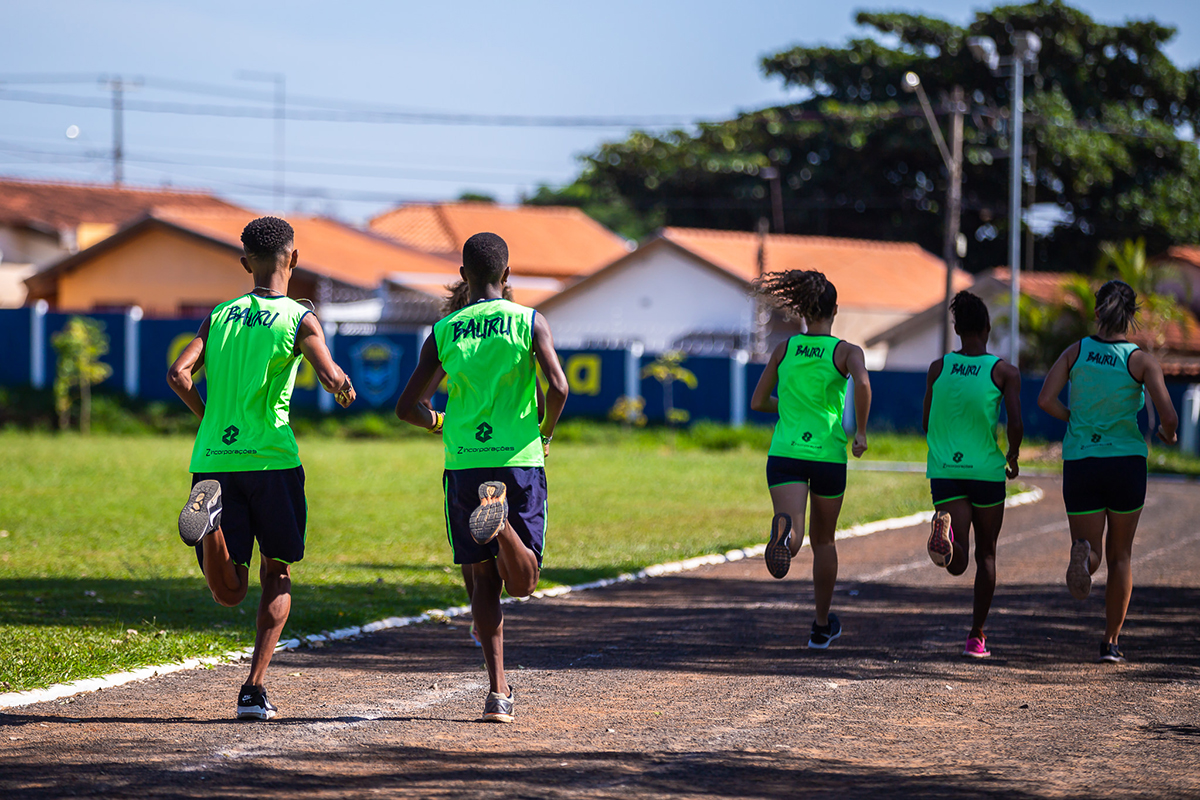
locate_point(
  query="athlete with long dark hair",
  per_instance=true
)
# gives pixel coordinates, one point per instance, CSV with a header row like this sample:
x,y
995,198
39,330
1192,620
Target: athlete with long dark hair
x,y
1104,453
806,464
965,467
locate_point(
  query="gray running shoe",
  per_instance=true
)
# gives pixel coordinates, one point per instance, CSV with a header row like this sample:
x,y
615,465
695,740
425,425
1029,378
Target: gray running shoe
x,y
1079,580
202,514
487,520
253,704
778,554
498,708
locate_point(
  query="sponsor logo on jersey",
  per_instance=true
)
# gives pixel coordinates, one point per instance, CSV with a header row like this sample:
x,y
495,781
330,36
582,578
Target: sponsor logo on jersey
x,y
810,351
250,318
231,434
486,328
484,432
964,369
1103,359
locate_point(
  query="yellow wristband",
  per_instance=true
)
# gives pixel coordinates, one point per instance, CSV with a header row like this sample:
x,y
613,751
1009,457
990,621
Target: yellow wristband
x,y
438,420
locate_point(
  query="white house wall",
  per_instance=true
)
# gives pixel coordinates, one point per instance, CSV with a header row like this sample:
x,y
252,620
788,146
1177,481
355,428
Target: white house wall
x,y
654,299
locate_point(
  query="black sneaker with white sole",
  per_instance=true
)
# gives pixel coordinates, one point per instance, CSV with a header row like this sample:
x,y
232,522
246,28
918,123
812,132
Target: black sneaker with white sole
x,y
822,635
202,514
778,553
1110,652
253,704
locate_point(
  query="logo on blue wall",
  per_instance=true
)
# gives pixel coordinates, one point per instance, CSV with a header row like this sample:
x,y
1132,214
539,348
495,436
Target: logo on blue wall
x,y
375,364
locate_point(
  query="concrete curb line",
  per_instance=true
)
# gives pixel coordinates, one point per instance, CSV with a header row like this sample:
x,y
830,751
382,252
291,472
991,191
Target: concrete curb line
x,y
61,690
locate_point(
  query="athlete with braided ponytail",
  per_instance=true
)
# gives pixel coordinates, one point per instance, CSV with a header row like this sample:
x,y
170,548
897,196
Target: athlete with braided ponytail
x,y
965,467
1104,454
808,450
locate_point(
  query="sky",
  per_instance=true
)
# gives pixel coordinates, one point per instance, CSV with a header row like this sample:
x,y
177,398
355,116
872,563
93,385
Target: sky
x,y
627,62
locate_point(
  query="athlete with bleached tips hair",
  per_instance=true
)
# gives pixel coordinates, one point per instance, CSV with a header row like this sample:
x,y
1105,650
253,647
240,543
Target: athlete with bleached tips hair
x,y
247,482
1104,452
806,464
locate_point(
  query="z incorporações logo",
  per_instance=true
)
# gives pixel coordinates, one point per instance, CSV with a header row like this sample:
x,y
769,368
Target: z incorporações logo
x,y
484,432
231,434
958,457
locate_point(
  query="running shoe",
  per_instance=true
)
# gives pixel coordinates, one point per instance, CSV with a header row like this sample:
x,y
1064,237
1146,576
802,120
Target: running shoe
x,y
475,636
976,647
822,635
487,520
778,553
1110,652
1079,580
253,704
202,514
941,539
498,708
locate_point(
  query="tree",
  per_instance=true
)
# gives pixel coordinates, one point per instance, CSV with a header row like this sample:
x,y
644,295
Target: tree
x,y
855,157
80,344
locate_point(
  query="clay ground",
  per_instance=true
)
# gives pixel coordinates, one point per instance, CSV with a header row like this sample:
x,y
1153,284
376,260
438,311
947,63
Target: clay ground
x,y
698,685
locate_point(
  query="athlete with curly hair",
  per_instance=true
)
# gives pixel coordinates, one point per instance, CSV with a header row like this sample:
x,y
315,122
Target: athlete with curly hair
x,y
806,464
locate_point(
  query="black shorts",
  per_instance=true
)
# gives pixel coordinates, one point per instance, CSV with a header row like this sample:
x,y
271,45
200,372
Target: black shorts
x,y
267,505
526,494
824,478
981,494
1117,484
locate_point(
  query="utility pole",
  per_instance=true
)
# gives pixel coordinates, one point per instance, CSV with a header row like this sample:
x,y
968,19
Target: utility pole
x,y
118,87
762,309
280,81
771,174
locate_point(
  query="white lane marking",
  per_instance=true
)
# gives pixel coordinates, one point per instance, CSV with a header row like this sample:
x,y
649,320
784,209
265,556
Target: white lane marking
x,y
1161,551
61,690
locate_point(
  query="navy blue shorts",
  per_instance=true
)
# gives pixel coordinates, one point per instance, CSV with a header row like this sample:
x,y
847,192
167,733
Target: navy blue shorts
x,y
526,494
1117,484
267,506
981,494
824,478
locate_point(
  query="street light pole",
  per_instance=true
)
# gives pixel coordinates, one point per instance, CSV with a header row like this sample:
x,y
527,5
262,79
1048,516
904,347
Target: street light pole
x,y
1026,47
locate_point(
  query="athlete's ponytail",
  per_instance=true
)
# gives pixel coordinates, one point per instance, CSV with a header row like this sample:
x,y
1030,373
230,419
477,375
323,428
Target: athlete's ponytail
x,y
1116,307
460,295
803,293
970,314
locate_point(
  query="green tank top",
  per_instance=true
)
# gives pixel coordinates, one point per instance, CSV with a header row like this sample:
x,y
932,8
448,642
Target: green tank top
x,y
1104,402
962,420
491,412
812,399
251,364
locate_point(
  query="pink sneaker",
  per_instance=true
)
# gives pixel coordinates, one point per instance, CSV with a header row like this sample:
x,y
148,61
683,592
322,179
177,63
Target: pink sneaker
x,y
976,647
941,539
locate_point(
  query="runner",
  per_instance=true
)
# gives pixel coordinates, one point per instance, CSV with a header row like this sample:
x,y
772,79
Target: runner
x,y
247,482
808,450
965,467
495,482
1104,453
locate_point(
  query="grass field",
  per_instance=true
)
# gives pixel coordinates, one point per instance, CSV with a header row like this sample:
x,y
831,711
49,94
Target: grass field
x,y
93,577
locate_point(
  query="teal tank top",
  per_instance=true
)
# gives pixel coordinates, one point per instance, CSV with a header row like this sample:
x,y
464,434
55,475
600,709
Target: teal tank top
x,y
812,399
491,411
962,420
1104,401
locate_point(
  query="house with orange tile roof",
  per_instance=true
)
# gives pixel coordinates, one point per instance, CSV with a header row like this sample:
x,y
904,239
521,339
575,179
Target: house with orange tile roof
x,y
915,343
1185,260
43,221
183,262
689,288
548,246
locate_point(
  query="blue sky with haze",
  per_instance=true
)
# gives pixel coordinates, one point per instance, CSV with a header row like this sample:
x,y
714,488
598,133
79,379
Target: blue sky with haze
x,y
688,60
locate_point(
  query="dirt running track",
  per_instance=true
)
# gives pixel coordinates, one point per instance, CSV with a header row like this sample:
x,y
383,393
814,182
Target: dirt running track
x,y
698,685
